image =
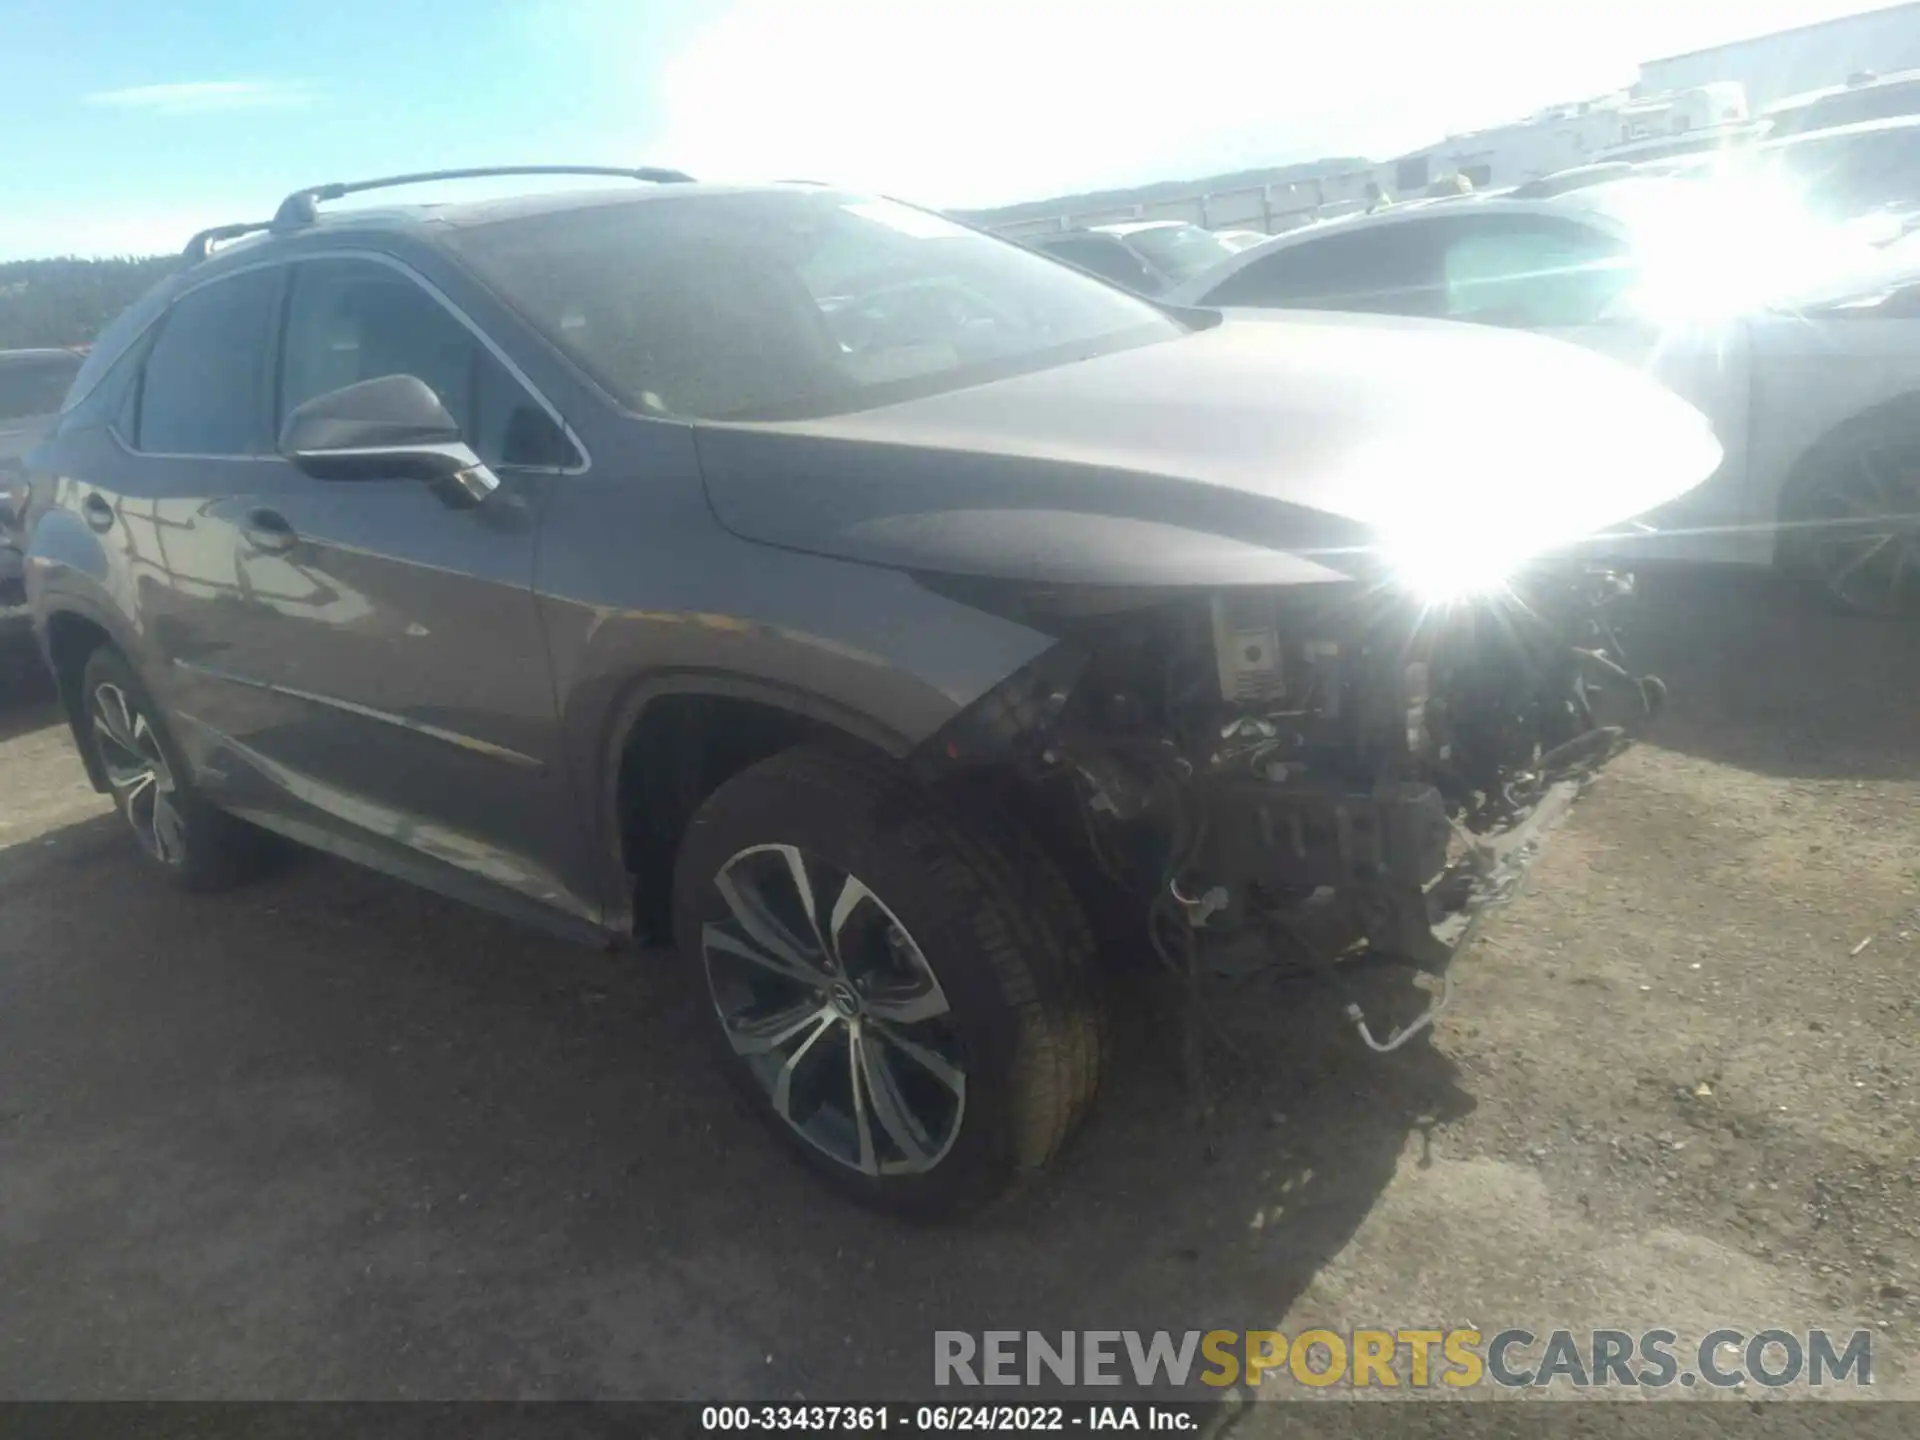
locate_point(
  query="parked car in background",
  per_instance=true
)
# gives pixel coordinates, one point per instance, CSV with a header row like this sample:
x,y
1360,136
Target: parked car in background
x,y
1802,346
1237,240
1848,173
1864,97
32,383
1146,256
1718,139
568,555
1577,178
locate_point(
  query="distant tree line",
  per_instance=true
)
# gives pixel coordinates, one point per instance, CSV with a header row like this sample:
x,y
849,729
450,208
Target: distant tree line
x,y
67,301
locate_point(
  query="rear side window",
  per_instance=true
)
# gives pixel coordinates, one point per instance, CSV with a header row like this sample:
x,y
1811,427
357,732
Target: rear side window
x,y
1107,258
354,320
1534,274
1182,251
203,391
111,398
1874,102
1849,175
1389,269
1510,270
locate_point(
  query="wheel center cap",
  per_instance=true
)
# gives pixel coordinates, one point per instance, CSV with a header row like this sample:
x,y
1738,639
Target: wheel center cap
x,y
843,998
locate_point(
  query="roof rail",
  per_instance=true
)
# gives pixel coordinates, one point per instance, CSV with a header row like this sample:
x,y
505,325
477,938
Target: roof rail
x,y
298,209
201,245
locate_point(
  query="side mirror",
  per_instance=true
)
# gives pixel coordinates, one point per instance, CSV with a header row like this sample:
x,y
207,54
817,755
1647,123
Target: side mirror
x,y
392,428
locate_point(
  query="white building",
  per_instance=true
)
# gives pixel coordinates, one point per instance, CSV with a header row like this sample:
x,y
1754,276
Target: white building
x,y
1564,136
1788,62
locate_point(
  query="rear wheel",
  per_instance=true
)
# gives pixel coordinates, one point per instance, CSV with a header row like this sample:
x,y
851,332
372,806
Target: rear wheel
x,y
915,1020
179,835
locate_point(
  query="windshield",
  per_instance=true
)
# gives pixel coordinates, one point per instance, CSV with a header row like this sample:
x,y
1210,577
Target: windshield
x,y
1181,251
1725,241
1871,102
1845,175
1832,177
785,304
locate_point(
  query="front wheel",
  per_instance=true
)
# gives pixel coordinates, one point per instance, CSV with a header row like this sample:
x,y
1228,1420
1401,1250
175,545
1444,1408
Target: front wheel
x,y
1856,530
180,836
908,997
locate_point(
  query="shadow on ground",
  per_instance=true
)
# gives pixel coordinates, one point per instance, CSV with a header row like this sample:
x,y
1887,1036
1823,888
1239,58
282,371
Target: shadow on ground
x,y
1766,679
331,1136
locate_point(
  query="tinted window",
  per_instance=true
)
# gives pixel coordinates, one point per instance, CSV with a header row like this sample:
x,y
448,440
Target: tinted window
x,y
1391,269
1850,175
1533,273
1514,271
117,340
34,384
203,391
734,305
112,396
1108,258
354,320
1872,102
1182,251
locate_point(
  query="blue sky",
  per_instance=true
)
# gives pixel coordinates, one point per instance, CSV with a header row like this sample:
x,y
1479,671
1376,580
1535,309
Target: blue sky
x,y
123,127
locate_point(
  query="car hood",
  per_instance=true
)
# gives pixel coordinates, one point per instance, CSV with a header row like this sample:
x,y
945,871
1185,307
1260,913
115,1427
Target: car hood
x,y
1270,448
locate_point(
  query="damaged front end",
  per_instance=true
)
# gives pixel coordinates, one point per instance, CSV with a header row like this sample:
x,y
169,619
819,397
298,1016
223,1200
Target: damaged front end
x,y
1309,775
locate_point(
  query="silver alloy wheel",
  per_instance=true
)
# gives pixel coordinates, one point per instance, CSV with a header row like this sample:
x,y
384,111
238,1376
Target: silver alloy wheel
x,y
139,774
1870,559
834,1009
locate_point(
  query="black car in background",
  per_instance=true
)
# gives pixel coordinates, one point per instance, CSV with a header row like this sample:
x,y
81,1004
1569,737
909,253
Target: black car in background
x,y
883,613
1864,97
32,383
1148,257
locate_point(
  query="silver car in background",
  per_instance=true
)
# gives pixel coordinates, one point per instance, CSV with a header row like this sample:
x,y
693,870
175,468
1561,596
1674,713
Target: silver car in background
x,y
1799,341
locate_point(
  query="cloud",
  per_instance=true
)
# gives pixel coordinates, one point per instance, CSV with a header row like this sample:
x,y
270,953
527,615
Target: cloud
x,y
945,105
200,97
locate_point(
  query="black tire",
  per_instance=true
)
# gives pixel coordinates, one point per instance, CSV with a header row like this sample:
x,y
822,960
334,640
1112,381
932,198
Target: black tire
x,y
989,930
178,835
1850,539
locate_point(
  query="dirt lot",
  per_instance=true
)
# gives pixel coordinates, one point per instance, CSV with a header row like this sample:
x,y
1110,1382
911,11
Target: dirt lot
x,y
331,1137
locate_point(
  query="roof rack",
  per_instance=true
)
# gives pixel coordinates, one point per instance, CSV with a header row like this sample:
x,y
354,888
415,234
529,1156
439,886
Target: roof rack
x,y
201,245
298,209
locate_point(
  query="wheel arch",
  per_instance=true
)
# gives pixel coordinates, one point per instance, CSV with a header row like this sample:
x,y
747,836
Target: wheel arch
x,y
671,741
69,635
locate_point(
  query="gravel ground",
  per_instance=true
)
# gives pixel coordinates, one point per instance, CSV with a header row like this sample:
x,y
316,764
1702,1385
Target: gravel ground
x,y
333,1137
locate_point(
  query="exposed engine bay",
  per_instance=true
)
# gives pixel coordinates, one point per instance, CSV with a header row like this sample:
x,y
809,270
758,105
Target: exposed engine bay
x,y
1315,773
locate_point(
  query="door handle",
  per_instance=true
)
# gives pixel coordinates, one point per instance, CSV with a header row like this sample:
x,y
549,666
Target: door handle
x,y
97,512
268,530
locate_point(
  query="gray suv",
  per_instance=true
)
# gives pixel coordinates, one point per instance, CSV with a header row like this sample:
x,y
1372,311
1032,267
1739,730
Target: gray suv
x,y
902,623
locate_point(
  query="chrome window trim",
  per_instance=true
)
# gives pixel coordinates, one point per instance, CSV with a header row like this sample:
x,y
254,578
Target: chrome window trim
x,y
433,291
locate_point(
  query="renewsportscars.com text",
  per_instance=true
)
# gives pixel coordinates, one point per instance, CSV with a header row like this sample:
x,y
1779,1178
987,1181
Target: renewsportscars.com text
x,y
1389,1359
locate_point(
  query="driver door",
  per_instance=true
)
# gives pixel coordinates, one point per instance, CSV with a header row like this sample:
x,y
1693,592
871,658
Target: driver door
x,y
390,687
